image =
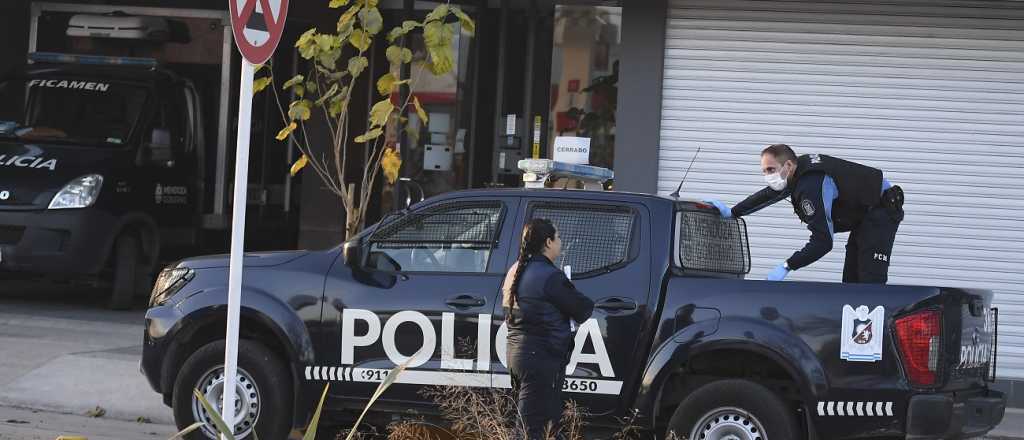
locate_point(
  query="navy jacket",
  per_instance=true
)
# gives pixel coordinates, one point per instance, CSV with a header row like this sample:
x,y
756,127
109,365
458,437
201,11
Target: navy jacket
x,y
538,318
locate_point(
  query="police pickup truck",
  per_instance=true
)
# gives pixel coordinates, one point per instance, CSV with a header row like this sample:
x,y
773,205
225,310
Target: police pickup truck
x,y
101,166
678,337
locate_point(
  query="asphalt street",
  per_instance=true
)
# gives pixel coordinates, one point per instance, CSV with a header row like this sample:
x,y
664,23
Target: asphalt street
x,y
64,357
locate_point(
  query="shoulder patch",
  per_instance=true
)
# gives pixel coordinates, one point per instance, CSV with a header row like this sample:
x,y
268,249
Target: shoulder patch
x,y
807,207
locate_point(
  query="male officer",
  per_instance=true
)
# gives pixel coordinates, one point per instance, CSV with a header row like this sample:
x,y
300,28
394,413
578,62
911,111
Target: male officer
x,y
830,195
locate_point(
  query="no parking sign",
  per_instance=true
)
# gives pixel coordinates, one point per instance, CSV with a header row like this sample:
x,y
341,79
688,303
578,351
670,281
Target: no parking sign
x,y
257,25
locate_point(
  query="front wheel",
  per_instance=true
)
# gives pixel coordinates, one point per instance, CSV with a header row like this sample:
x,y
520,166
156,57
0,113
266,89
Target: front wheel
x,y
733,409
263,394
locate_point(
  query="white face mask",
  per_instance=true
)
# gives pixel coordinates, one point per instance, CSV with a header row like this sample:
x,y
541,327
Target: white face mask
x,y
775,180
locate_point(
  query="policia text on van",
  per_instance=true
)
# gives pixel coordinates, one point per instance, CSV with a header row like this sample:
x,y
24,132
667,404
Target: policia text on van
x,y
100,169
676,334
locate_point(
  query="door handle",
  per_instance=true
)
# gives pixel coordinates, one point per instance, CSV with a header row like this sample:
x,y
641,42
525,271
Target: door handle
x,y
616,305
465,301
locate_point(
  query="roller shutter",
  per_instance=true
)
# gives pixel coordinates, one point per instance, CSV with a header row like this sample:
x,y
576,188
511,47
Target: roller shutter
x,y
932,92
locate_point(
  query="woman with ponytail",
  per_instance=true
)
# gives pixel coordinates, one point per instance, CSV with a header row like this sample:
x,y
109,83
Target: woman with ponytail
x,y
539,302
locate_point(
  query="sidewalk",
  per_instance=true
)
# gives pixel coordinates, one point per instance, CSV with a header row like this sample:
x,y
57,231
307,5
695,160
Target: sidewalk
x,y
1012,426
24,424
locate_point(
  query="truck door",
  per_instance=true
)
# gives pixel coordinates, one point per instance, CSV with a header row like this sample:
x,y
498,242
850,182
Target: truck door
x,y
168,176
610,261
424,295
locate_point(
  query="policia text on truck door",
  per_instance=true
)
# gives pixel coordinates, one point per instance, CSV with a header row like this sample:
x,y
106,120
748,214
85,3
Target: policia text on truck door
x,y
100,159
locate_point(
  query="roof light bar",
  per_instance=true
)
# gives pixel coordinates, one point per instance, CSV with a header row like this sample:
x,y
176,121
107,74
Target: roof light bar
x,y
65,58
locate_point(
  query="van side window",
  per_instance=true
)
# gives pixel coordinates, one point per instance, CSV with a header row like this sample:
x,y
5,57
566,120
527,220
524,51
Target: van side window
x,y
454,238
595,238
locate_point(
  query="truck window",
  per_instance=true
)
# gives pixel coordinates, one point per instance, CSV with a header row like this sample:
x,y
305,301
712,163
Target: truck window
x,y
595,238
706,242
456,237
73,110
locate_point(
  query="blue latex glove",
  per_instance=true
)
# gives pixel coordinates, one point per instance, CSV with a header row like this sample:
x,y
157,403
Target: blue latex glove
x,y
778,274
722,208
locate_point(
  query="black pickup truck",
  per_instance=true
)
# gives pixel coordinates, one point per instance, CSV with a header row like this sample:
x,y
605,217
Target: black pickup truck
x,y
677,336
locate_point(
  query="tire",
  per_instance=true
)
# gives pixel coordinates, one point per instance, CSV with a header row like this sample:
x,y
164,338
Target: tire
x,y
260,372
131,273
736,407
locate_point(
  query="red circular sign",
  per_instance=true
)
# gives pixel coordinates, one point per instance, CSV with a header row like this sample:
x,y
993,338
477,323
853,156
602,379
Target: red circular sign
x,y
257,25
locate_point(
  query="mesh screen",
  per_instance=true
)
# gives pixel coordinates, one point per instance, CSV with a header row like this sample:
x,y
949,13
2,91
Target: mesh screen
x,y
593,237
710,243
473,226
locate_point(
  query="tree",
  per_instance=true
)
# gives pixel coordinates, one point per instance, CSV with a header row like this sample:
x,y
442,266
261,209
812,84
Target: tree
x,y
334,63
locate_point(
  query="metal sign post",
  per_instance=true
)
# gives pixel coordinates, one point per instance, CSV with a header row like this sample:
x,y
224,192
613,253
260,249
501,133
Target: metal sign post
x,y
257,26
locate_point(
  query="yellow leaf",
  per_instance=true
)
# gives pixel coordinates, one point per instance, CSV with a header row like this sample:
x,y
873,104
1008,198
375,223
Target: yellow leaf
x,y
380,113
419,109
337,3
348,15
369,136
391,163
259,84
386,84
299,164
467,23
283,134
360,40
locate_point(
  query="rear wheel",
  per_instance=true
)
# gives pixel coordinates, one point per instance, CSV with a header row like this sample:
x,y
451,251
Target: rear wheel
x,y
734,409
131,273
263,392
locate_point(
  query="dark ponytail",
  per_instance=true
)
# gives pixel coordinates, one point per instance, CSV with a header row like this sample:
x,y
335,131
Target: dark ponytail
x,y
536,234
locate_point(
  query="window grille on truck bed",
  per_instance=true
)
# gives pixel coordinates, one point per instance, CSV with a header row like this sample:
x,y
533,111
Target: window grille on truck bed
x,y
709,243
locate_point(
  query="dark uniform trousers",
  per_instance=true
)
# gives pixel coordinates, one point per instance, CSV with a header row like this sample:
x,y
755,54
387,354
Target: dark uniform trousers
x,y
870,245
537,378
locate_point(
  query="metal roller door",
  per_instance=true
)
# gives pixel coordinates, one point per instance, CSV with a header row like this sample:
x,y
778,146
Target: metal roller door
x,y
932,92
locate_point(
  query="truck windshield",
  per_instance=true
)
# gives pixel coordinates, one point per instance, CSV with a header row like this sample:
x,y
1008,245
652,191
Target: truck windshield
x,y
69,110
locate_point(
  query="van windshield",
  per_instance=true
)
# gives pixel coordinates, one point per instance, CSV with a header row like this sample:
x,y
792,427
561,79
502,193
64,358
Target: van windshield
x,y
70,110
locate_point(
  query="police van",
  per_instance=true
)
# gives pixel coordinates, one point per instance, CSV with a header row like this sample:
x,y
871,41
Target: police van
x,y
110,163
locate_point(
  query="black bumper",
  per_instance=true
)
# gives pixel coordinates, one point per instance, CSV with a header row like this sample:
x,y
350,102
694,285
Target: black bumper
x,y
56,242
954,416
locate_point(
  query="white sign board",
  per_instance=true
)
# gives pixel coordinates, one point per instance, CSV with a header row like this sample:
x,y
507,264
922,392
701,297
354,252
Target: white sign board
x,y
571,149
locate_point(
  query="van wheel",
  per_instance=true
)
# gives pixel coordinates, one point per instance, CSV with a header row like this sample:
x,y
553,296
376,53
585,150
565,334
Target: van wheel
x,y
733,409
263,392
131,273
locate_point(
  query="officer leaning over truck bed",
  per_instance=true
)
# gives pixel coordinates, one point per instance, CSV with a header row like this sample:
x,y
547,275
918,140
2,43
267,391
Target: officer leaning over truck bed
x,y
830,195
540,304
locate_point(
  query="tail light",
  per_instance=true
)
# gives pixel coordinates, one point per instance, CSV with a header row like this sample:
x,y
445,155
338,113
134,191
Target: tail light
x,y
919,337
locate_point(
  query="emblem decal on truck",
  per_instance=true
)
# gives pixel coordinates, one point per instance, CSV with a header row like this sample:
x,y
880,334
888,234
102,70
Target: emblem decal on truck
x,y
862,334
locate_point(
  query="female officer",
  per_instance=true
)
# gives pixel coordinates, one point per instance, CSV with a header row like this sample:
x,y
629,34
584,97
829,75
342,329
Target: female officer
x,y
539,302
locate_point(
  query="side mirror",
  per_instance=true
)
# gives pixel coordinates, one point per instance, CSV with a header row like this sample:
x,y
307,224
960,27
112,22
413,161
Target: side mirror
x,y
158,149
352,252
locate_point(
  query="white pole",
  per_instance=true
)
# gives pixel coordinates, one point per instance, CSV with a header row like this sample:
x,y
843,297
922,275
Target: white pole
x,y
237,242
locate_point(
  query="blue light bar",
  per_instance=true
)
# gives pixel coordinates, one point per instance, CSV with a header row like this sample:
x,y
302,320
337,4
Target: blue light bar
x,y
65,58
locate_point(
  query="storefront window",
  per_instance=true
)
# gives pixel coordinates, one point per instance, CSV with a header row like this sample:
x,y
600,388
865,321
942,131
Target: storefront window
x,y
584,78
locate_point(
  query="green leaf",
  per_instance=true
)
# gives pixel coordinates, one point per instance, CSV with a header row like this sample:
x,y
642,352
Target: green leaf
x,y
356,65
337,105
438,13
314,424
360,40
406,55
371,20
300,90
390,379
369,136
442,60
386,84
436,34
380,112
312,87
400,31
337,3
329,58
467,23
299,110
259,84
394,54
325,41
306,37
297,79
217,420
330,92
